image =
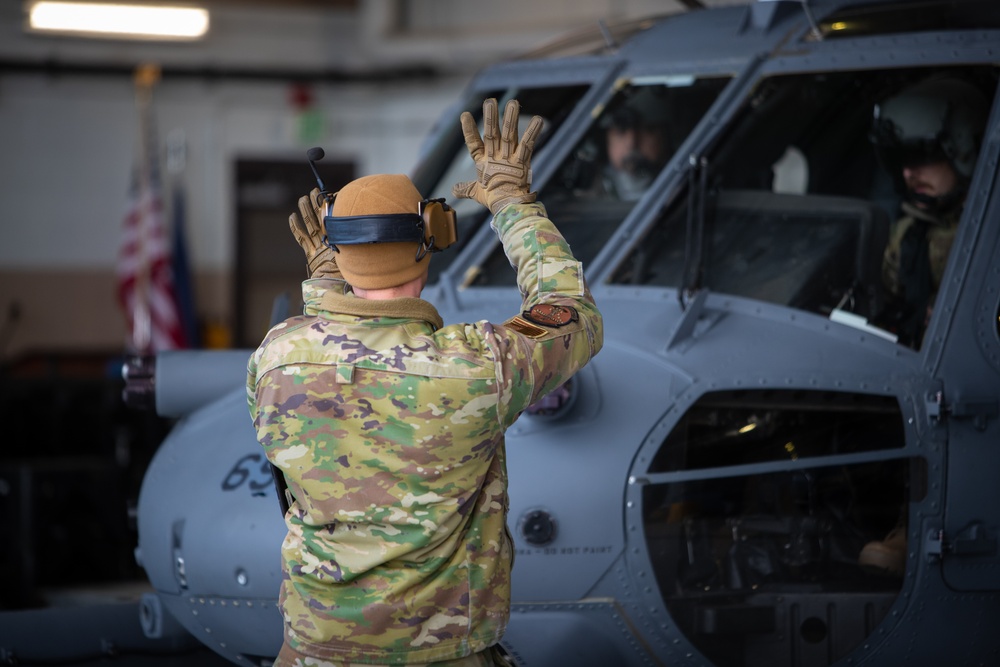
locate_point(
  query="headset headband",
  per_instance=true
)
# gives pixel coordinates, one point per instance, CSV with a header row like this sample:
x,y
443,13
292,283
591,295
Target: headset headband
x,y
432,227
391,228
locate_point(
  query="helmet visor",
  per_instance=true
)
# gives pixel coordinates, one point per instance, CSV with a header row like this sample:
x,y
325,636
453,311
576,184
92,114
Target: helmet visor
x,y
896,153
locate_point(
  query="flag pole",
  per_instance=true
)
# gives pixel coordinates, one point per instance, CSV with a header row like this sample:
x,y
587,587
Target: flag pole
x,y
146,77
176,160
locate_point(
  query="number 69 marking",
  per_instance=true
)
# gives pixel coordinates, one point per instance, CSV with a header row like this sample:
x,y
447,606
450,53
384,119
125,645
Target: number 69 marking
x,y
252,469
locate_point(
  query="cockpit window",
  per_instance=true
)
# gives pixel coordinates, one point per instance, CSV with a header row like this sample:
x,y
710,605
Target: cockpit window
x,y
800,201
612,167
632,139
448,162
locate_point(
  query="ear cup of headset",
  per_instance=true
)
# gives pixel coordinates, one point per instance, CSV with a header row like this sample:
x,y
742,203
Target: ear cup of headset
x,y
439,225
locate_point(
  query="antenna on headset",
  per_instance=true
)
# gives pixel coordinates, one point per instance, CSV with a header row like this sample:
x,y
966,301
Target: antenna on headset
x,y
314,155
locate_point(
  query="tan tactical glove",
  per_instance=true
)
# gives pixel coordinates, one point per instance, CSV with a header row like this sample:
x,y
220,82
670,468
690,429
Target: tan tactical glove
x,y
308,230
502,164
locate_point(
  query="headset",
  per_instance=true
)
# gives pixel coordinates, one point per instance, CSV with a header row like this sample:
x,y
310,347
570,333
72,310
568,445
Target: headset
x,y
432,226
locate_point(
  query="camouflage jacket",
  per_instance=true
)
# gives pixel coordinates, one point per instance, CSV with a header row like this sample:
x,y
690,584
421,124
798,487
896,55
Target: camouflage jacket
x,y
913,265
389,427
940,235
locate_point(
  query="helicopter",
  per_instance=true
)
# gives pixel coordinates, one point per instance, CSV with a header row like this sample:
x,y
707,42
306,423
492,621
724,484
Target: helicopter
x,y
701,492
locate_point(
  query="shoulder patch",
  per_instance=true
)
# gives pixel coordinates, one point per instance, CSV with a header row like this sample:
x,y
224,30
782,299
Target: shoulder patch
x,y
550,315
525,328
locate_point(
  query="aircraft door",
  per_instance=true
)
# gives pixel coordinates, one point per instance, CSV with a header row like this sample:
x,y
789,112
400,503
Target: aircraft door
x,y
964,352
968,546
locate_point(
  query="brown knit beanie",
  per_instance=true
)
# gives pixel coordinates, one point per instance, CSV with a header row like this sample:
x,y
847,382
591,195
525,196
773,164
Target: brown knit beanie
x,y
379,265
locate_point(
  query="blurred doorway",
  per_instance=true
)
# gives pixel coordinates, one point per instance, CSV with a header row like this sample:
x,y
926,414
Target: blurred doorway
x,y
270,266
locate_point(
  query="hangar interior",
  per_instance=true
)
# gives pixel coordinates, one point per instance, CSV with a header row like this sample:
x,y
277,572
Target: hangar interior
x,y
227,122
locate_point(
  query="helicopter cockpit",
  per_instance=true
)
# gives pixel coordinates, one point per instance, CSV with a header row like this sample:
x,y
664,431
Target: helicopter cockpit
x,y
592,191
789,205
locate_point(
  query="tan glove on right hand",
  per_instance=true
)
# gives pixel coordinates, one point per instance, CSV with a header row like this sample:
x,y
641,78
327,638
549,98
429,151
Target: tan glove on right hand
x,y
502,163
309,232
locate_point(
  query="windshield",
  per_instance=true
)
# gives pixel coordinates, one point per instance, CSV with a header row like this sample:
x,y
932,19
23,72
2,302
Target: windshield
x,y
613,165
793,205
448,162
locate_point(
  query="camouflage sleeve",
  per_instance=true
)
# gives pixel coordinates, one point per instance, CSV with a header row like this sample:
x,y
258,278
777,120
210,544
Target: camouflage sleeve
x,y
559,328
253,367
252,383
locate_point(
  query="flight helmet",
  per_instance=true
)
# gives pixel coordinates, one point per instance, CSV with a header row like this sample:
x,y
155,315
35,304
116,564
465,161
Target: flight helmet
x,y
940,118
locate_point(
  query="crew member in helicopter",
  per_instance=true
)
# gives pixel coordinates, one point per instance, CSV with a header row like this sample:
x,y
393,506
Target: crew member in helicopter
x,y
388,426
927,137
636,143
625,152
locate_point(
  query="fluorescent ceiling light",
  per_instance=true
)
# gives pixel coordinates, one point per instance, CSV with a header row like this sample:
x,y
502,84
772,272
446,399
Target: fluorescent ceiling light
x,y
117,20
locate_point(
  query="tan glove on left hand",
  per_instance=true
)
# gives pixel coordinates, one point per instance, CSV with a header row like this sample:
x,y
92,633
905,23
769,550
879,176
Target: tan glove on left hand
x,y
308,231
502,163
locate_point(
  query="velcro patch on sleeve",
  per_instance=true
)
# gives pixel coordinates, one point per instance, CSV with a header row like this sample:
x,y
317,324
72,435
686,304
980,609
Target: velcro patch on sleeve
x,y
550,315
525,328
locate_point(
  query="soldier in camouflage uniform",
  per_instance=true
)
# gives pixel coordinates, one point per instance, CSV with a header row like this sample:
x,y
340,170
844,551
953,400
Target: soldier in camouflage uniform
x,y
389,426
928,137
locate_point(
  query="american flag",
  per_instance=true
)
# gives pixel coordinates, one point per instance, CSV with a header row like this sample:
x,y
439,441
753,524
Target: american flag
x,y
146,289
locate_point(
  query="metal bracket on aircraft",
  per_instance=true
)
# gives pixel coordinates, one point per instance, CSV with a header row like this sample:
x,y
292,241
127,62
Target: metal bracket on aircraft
x,y
685,326
934,406
973,540
934,545
978,411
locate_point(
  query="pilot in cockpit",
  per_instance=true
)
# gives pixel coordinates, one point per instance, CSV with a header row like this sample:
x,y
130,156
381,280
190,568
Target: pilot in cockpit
x,y
625,151
636,143
927,137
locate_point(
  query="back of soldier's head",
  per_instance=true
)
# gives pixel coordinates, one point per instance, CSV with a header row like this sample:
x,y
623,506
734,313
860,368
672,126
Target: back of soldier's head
x,y
379,265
